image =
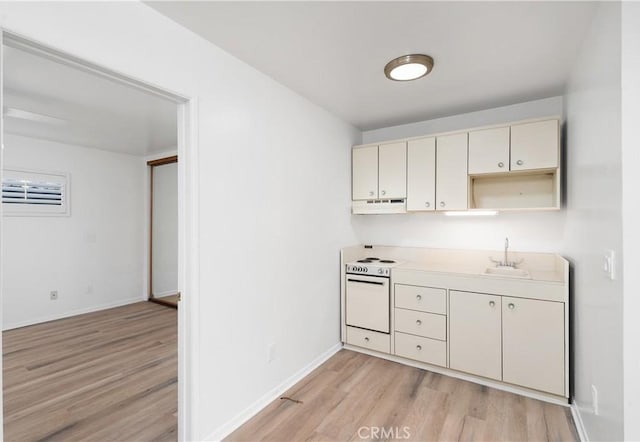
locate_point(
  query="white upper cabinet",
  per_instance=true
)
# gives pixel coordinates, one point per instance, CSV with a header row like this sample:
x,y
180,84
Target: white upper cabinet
x,y
451,179
489,150
535,145
421,174
392,166
364,173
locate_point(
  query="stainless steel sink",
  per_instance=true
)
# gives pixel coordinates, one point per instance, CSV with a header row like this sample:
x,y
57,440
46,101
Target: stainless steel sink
x,y
509,272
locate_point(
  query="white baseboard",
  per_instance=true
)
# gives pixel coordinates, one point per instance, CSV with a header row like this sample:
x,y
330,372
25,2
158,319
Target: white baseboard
x,y
577,420
165,293
242,417
76,312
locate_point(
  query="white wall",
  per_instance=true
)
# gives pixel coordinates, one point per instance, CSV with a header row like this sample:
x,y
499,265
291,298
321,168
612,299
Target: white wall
x,y
92,257
165,230
594,223
631,215
521,111
527,231
274,200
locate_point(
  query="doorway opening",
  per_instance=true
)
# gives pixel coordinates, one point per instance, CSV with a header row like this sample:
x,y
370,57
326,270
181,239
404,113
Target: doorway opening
x,y
85,353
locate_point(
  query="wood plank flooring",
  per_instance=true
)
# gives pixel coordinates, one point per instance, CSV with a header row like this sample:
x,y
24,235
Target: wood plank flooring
x,y
108,375
352,394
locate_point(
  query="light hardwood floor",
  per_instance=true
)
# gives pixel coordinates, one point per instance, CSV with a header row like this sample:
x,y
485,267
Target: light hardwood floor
x,y
353,391
108,375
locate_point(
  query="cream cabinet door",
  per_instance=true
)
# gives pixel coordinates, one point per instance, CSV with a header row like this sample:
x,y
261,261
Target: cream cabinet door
x,y
392,166
364,173
451,172
489,150
475,334
533,344
421,174
535,145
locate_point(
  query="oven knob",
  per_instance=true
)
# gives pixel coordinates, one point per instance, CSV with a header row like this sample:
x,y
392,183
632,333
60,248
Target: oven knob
x,y
380,271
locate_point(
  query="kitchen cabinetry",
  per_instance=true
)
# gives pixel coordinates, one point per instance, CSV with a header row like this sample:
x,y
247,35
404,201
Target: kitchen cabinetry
x,y
392,166
520,147
516,340
379,172
489,150
421,174
535,145
451,178
475,343
364,175
533,344
437,173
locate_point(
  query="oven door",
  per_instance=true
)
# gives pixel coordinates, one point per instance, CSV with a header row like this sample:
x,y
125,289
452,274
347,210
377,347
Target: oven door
x,y
367,302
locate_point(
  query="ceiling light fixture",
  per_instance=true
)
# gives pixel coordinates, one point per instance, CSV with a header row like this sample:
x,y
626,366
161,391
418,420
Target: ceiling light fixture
x,y
33,116
408,67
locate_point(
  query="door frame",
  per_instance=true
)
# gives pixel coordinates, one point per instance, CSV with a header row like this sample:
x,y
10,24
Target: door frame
x,y
188,219
152,164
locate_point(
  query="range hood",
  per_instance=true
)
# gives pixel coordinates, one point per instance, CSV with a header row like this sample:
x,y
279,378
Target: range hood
x,y
379,206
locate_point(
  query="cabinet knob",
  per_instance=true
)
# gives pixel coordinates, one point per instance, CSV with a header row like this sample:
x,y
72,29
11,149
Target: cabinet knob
x,y
511,306
427,204
418,347
384,192
500,164
371,193
442,204
419,297
418,322
492,303
519,162
366,339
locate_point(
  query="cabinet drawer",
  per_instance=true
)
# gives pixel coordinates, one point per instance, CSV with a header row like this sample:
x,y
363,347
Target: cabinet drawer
x,y
424,299
421,349
369,339
428,325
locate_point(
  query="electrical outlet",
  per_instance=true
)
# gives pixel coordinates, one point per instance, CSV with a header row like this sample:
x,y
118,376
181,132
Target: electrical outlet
x,y
53,295
594,399
272,352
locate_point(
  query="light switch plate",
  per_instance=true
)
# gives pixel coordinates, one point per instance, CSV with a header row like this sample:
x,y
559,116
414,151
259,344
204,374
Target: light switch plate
x,y
609,264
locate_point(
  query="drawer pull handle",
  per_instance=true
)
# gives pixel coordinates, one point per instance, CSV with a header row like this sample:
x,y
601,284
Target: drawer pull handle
x,y
366,339
418,322
519,162
512,306
419,347
500,164
492,303
419,297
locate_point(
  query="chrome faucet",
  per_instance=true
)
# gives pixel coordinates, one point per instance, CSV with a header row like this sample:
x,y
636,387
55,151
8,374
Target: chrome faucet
x,y
506,262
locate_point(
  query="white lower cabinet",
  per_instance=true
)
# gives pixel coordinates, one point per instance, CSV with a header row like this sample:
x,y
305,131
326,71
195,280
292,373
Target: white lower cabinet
x,y
369,339
475,335
533,344
421,349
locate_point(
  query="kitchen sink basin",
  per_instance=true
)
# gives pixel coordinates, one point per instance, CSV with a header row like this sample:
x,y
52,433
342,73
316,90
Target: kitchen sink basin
x,y
508,272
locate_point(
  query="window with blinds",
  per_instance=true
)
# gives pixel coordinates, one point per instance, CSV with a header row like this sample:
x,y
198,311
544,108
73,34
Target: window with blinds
x,y
34,193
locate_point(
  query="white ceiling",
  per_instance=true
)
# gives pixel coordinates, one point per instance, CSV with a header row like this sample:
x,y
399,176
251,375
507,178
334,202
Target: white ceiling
x,y
486,54
97,112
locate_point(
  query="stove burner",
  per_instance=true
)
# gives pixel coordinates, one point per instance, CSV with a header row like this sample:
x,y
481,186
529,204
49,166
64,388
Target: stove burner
x,y
387,261
365,260
373,259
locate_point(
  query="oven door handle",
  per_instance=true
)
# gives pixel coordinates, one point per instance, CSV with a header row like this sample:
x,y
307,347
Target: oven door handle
x,y
365,282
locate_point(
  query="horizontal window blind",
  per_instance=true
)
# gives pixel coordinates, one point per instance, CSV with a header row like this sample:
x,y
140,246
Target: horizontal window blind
x,y
15,191
35,193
